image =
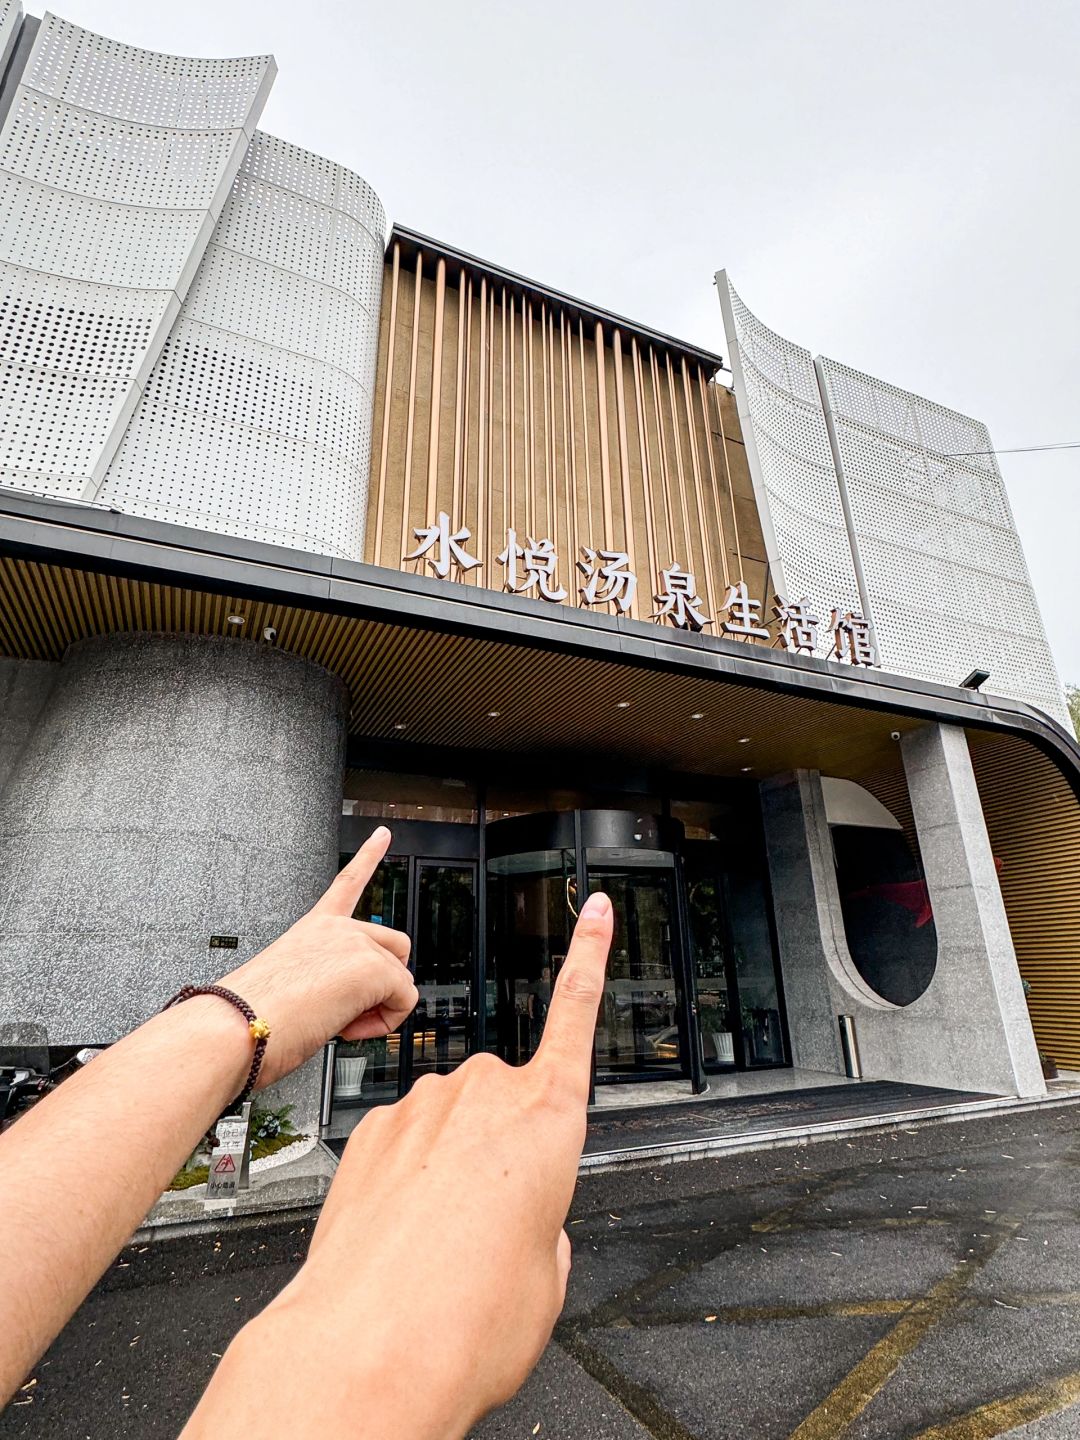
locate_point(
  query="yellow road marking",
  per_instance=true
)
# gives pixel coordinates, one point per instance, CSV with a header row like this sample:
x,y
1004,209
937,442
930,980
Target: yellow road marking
x,y
748,1314
1001,1415
753,1314
851,1396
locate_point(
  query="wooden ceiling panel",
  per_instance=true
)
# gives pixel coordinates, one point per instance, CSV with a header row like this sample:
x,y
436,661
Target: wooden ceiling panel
x,y
443,687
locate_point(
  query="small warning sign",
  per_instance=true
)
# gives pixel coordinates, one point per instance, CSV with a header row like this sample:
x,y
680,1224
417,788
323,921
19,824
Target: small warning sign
x,y
229,1160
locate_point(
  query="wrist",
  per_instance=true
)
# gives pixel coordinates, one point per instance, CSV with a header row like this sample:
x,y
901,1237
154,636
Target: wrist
x,y
333,1373
207,1031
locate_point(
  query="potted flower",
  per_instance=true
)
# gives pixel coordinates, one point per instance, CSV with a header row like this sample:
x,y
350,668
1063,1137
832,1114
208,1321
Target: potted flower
x,y
714,1025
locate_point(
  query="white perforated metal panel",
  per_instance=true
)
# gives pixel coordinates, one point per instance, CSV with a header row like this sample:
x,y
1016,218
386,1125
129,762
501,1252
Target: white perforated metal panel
x,y
144,86
115,163
944,567
780,396
930,531
10,20
256,420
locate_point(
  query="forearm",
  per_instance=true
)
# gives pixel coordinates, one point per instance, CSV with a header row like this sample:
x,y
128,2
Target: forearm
x,y
336,1373
80,1171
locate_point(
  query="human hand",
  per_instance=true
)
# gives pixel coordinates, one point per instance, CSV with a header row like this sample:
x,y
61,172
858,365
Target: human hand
x,y
444,1222
329,974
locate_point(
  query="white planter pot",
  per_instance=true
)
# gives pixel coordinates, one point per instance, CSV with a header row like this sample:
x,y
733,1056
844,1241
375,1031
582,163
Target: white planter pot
x,y
348,1075
723,1046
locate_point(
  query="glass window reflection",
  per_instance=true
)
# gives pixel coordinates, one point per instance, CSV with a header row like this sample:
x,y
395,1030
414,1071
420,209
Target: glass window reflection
x,y
735,971
366,1071
531,902
638,1025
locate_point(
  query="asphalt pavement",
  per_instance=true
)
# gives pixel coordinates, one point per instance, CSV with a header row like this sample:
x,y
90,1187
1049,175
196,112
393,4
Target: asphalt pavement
x,y
918,1285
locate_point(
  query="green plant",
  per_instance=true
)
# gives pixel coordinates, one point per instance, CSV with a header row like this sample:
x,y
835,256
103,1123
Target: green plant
x,y
714,1019
271,1131
748,1014
267,1124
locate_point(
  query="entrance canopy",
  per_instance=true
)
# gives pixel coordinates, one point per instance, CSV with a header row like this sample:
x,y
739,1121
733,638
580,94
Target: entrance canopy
x,y
430,664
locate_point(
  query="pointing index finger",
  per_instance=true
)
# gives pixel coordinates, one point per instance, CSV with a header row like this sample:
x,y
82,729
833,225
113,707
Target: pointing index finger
x,y
566,1047
344,891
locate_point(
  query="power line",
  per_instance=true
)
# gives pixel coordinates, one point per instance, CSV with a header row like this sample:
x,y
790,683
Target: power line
x,y
1016,450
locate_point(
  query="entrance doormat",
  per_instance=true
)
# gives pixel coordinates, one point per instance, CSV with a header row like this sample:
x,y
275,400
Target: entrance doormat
x,y
649,1125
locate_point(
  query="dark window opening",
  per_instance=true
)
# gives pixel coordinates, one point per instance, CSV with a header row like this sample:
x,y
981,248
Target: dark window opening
x,y
888,919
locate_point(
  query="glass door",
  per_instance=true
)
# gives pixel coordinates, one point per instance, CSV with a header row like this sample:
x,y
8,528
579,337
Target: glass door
x,y
367,1072
532,901
434,901
717,1000
641,1026
740,1006
533,868
441,1031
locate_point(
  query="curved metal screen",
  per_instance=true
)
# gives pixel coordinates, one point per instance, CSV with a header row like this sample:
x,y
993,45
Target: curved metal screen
x,y
256,420
930,530
10,20
797,478
114,164
189,308
945,571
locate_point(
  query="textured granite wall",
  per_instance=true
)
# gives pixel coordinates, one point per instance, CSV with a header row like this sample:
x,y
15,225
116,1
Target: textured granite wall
x,y
985,1021
970,1028
24,688
173,788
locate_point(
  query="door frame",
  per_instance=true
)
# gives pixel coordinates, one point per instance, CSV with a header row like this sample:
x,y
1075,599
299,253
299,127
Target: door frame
x,y
595,828
742,1062
473,1027
685,1002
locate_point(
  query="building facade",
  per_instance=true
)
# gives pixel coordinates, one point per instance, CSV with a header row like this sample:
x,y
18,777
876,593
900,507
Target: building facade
x,y
308,524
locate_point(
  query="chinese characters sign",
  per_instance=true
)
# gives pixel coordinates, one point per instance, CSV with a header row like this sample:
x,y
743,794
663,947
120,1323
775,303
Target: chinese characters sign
x,y
531,567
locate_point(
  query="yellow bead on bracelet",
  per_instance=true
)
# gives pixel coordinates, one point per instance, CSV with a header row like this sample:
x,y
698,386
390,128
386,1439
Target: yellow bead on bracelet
x,y
260,1030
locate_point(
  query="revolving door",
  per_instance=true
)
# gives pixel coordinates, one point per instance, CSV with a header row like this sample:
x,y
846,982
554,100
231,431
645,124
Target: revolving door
x,y
539,868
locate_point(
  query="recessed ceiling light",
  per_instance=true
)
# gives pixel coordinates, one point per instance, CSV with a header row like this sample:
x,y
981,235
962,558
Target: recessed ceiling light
x,y
392,804
744,740
419,807
400,725
745,768
698,715
622,705
237,619
494,714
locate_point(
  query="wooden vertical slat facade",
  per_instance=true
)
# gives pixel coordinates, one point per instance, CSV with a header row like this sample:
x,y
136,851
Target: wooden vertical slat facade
x,y
509,411
1033,821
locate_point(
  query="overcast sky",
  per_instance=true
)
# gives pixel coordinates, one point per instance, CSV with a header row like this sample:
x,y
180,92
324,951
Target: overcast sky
x,y
891,184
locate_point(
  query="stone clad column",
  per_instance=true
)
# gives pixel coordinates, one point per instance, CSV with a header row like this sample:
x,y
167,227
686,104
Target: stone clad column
x,y
976,959
174,788
24,688
969,1030
799,855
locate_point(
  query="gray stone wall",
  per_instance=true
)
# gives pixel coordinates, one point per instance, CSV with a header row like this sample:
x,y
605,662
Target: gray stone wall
x,y
173,788
970,1028
24,688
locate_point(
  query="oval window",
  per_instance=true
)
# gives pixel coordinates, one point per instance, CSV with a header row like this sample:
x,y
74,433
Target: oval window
x,y
888,919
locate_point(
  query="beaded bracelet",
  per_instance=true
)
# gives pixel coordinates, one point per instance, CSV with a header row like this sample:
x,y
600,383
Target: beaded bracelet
x,y
259,1029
